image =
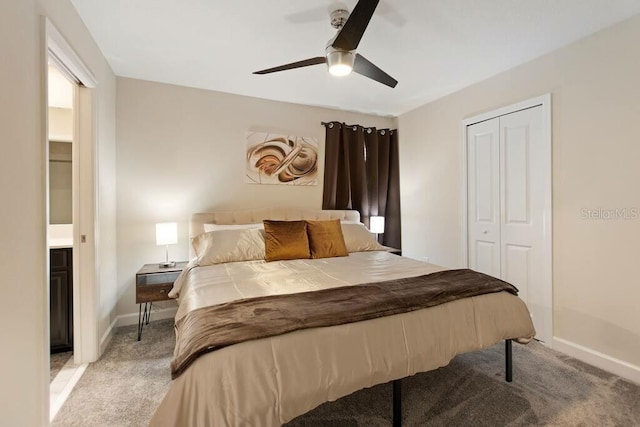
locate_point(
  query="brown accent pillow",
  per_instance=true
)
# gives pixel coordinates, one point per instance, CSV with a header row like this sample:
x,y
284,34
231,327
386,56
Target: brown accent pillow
x,y
286,240
325,239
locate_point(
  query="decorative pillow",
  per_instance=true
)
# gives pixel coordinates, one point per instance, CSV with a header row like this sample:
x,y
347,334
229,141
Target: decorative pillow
x,y
325,239
215,227
216,247
286,240
358,238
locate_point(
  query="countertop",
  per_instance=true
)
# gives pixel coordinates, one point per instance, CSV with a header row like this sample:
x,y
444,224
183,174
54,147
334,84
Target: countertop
x,y
60,236
60,243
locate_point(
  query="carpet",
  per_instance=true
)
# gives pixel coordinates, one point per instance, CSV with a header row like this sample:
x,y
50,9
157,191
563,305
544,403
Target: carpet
x,y
125,386
56,363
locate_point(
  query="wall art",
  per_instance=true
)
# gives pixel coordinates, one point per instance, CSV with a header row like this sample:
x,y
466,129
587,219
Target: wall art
x,y
281,159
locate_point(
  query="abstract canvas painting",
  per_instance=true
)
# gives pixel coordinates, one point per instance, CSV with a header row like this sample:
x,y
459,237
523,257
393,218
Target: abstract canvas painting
x,y
281,159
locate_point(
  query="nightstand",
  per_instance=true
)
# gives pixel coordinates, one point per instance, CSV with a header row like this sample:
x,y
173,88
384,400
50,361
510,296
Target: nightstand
x,y
395,251
153,283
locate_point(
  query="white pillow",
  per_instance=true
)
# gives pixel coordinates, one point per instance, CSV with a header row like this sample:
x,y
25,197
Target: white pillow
x,y
216,227
358,238
216,247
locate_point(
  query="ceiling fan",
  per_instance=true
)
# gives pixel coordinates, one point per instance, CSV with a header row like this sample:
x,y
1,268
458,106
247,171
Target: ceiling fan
x,y
340,53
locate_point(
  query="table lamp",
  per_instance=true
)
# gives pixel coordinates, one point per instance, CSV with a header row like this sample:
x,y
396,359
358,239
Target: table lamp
x,y
376,225
167,234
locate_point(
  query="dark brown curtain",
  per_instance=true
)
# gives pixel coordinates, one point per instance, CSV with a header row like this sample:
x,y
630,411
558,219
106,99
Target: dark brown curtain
x,y
361,172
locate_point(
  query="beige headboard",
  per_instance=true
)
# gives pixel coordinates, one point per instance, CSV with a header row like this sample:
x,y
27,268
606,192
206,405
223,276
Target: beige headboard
x,y
196,225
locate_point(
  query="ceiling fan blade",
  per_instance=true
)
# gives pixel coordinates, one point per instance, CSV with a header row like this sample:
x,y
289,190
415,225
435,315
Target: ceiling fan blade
x,y
368,69
349,36
305,63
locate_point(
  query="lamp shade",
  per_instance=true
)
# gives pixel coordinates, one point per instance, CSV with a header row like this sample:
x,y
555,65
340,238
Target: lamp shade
x,y
376,224
340,62
166,233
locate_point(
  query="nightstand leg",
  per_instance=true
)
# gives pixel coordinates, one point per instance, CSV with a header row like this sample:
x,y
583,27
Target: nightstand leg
x,y
140,320
143,317
148,312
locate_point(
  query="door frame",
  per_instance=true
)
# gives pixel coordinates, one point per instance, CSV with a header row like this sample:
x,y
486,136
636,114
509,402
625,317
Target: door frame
x,y
543,101
85,195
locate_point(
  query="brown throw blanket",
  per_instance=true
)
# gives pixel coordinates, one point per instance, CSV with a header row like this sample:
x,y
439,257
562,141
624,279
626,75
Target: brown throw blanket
x,y
211,328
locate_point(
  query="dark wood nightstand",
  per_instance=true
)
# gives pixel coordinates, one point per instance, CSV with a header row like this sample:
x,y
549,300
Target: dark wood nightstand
x,y
395,251
153,283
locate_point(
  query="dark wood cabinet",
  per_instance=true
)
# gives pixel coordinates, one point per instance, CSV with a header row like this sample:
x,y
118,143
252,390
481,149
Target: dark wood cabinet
x,y
61,299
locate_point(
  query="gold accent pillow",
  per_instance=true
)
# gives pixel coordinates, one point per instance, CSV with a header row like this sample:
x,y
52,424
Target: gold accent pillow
x,y
286,240
325,239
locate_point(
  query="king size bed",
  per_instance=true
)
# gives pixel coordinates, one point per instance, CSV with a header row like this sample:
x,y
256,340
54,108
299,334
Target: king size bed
x,y
237,363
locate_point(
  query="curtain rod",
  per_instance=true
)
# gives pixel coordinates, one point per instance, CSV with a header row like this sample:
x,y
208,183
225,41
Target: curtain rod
x,y
368,129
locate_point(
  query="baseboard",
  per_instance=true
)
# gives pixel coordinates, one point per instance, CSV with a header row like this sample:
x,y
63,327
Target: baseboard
x,y
106,337
610,364
156,314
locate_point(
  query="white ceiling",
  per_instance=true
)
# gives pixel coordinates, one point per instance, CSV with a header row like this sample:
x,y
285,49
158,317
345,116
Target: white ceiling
x,y
432,47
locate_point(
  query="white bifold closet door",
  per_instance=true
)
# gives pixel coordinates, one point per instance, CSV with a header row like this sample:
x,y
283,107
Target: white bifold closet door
x,y
506,167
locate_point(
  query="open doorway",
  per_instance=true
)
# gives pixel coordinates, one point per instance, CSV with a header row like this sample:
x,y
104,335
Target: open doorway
x,y
72,233
61,93
62,199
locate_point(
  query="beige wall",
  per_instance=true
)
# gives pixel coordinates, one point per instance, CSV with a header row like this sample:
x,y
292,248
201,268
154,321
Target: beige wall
x,y
596,106
22,220
60,185
60,124
182,150
25,373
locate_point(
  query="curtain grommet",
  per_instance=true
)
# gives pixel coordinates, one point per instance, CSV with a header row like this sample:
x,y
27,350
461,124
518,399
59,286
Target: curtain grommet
x,y
382,132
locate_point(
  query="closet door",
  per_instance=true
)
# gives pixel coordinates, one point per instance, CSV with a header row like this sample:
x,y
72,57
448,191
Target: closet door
x,y
508,174
483,203
524,161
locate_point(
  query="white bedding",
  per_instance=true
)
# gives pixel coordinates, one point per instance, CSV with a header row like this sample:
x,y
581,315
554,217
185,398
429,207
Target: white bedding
x,y
272,380
220,283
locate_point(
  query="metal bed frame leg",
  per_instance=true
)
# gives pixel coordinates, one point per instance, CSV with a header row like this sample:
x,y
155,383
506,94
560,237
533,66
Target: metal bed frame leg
x,y
397,403
508,361
397,384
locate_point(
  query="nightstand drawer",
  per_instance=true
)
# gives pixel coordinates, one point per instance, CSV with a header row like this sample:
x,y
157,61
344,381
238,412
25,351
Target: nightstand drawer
x,y
151,293
156,278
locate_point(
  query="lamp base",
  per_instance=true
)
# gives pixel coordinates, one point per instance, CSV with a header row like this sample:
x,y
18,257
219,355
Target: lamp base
x,y
167,264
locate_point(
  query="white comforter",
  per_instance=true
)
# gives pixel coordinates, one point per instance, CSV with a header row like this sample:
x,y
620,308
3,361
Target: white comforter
x,y
269,381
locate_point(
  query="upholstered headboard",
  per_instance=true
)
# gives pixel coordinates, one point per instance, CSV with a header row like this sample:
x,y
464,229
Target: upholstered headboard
x,y
196,225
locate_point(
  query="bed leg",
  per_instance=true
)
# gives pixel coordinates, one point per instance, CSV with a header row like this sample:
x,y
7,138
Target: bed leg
x,y
508,361
397,403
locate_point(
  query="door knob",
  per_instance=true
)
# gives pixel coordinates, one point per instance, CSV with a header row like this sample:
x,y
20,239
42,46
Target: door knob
x,y
485,231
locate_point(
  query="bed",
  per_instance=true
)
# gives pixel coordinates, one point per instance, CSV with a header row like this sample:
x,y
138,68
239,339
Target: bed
x,y
269,381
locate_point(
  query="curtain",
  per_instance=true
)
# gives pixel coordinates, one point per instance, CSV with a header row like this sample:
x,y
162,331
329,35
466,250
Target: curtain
x,y
362,172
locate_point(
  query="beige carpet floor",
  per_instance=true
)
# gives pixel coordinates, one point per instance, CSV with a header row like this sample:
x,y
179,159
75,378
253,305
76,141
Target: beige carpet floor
x,y
125,386
57,361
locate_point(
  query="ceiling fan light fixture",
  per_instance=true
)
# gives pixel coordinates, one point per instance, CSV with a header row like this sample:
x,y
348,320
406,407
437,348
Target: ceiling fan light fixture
x,y
340,52
340,70
340,62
